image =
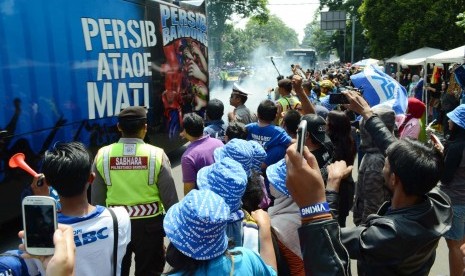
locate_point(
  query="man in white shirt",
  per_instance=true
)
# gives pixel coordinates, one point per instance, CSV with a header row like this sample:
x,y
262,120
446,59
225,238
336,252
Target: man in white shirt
x,y
67,168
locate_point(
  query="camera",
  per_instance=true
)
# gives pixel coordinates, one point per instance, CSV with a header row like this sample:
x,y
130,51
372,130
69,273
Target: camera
x,y
338,98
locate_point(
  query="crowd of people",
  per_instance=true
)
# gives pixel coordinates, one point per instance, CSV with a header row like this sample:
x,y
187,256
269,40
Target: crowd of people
x,y
253,204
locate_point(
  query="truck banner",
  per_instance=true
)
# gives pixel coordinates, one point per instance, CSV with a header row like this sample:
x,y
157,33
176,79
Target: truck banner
x,y
67,68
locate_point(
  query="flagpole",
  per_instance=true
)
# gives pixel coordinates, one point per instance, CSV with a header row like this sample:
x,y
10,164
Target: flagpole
x,y
425,91
353,40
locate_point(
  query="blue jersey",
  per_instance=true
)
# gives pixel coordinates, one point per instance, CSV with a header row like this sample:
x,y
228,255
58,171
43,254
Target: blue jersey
x,y
215,129
274,140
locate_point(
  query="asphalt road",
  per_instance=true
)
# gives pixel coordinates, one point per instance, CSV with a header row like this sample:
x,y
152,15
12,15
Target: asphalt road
x,y
8,232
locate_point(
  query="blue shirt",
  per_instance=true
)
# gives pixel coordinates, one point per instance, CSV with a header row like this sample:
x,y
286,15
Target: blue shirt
x,y
246,262
215,129
313,97
11,263
325,102
274,140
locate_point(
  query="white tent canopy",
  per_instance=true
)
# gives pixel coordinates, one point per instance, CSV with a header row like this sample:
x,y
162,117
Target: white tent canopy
x,y
416,57
456,55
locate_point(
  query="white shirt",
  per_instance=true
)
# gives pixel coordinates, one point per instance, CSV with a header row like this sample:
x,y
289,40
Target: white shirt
x,y
93,236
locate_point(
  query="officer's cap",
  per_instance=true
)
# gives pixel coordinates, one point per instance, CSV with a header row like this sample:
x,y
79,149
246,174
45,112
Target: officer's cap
x,y
133,113
239,90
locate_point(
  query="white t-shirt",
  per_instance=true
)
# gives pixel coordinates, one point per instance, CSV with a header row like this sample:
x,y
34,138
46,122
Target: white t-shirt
x,y
93,236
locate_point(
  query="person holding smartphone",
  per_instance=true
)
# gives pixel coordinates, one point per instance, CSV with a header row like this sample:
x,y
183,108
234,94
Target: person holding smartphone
x,y
318,142
63,260
453,184
402,238
67,168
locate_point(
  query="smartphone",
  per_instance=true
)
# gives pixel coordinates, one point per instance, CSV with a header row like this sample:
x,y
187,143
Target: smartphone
x,y
39,222
338,98
301,132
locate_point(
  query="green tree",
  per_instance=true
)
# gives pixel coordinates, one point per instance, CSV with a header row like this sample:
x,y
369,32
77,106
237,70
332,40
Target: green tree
x,y
236,45
461,22
273,36
317,39
218,11
399,26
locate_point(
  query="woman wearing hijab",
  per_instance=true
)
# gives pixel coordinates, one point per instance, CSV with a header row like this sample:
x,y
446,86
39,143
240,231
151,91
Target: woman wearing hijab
x,y
411,126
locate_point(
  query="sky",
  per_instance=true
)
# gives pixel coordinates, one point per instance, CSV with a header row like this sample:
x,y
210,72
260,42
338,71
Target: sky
x,y
295,13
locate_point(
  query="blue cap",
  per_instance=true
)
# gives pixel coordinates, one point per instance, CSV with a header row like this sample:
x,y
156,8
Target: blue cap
x,y
11,263
458,116
226,178
239,150
276,174
259,155
196,225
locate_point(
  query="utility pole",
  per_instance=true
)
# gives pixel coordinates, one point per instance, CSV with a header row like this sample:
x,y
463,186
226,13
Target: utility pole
x,y
345,32
353,39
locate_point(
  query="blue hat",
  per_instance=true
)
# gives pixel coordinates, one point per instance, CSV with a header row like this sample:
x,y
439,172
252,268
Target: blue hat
x,y
226,178
11,263
259,155
239,150
276,174
196,225
458,116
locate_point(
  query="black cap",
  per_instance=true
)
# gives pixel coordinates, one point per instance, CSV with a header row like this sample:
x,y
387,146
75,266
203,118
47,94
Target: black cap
x,y
133,113
316,127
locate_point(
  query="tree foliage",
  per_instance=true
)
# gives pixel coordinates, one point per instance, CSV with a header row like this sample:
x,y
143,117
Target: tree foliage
x,y
274,37
394,27
461,20
317,39
274,34
218,11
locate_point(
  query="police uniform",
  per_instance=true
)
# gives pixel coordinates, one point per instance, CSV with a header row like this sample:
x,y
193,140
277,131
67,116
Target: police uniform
x,y
242,113
137,176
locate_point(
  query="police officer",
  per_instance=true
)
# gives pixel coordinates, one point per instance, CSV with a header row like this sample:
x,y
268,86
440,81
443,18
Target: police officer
x,y
137,176
240,113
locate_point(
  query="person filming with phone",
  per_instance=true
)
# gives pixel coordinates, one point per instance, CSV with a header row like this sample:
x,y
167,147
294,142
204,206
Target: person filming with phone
x,y
101,235
63,260
401,239
318,142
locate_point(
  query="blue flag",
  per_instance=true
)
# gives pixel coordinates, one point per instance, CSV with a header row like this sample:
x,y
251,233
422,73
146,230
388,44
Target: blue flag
x,y
380,89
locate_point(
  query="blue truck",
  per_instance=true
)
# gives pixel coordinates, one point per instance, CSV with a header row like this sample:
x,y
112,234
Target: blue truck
x,y
67,68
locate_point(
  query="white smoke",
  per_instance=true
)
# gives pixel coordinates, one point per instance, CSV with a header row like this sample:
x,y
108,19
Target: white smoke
x,y
263,78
